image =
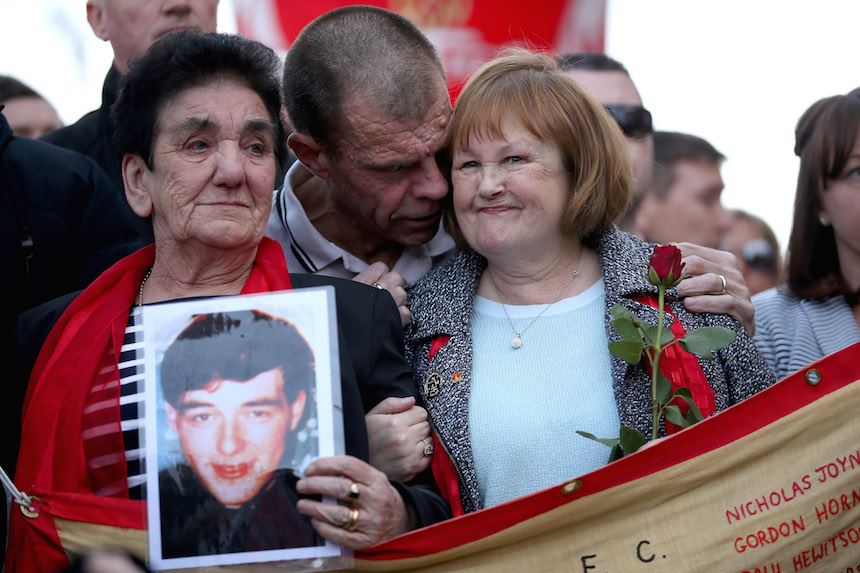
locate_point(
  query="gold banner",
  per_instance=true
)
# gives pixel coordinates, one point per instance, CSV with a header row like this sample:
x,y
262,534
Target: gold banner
x,y
780,499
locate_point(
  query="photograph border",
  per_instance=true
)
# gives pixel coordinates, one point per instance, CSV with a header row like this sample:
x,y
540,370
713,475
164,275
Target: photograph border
x,y
313,313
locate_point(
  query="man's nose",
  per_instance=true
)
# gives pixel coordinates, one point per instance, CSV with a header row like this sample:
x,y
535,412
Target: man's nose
x,y
231,439
178,8
724,219
429,182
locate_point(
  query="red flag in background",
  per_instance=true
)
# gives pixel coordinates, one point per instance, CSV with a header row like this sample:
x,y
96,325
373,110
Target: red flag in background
x,y
467,33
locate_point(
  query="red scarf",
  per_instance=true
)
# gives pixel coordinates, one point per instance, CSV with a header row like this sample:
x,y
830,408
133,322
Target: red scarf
x,y
81,350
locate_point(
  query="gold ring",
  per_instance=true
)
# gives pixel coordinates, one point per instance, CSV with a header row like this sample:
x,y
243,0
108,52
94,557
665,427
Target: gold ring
x,y
725,284
353,491
352,522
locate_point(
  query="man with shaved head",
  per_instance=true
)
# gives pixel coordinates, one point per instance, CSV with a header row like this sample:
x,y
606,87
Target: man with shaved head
x,y
366,93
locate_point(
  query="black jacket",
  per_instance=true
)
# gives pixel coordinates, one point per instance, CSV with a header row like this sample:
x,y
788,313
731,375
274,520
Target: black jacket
x,y
61,225
92,135
194,523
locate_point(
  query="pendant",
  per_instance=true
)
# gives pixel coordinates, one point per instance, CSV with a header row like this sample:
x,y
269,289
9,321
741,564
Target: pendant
x,y
517,341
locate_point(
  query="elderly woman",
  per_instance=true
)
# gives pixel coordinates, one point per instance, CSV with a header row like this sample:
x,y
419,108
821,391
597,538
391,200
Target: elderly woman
x,y
508,341
199,130
817,311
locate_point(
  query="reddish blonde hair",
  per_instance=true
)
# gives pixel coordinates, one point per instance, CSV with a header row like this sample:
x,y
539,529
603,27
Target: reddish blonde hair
x,y
531,88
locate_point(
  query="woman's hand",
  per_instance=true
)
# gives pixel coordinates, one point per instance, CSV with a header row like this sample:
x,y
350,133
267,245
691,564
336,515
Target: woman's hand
x,y
379,276
381,511
703,288
397,432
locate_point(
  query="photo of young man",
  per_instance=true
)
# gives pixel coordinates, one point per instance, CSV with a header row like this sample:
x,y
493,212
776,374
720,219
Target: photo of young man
x,y
238,386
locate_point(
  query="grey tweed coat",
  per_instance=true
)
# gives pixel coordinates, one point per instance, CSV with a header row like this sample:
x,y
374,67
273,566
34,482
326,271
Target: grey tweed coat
x,y
441,303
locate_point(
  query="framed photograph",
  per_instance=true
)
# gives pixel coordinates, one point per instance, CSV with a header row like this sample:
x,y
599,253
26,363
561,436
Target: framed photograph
x,y
241,394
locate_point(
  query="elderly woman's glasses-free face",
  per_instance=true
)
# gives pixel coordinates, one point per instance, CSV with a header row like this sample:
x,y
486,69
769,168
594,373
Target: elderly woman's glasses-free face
x,y
634,120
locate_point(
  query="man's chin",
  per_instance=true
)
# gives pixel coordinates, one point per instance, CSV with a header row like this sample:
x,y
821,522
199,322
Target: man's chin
x,y
417,236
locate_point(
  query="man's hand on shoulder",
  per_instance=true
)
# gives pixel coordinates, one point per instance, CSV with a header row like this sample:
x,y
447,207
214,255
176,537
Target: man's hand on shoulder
x,y
379,276
715,284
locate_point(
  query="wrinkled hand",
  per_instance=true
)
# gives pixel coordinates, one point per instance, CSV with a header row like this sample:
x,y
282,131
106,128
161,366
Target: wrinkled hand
x,y
379,275
396,429
382,514
703,289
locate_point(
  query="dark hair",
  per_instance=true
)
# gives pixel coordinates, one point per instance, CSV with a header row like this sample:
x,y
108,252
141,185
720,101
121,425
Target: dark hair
x,y
591,61
186,59
236,346
11,88
358,52
824,138
670,147
532,89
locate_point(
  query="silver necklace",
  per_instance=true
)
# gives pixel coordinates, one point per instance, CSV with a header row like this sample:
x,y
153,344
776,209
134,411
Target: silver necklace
x,y
517,340
140,290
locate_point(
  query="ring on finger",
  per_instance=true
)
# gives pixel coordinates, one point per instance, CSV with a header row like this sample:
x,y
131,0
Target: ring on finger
x,y
354,492
725,284
379,286
351,521
428,446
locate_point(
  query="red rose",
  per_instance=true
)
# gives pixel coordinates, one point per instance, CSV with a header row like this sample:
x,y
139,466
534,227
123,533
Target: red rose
x,y
665,267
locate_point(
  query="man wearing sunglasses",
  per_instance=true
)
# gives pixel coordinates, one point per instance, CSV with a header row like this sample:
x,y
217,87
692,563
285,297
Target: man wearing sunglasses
x,y
714,281
609,81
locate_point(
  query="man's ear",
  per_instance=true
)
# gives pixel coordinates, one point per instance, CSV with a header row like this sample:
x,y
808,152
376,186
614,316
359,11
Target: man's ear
x,y
136,192
296,410
96,18
311,154
172,417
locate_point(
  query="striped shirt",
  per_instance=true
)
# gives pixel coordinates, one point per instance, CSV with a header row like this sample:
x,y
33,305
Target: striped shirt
x,y
108,458
791,332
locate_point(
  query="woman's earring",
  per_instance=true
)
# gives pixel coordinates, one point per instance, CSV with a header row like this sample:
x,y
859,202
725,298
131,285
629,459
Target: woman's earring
x,y
825,222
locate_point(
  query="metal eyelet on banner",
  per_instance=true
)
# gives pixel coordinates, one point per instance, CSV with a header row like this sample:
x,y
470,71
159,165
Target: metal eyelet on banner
x,y
31,511
813,377
571,486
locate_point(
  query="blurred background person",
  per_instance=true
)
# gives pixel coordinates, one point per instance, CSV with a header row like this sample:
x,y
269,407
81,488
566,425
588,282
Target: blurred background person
x,y
817,311
684,200
754,244
28,113
610,82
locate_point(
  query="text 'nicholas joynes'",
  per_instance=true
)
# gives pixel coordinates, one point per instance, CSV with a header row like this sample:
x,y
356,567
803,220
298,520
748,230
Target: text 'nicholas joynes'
x,y
799,487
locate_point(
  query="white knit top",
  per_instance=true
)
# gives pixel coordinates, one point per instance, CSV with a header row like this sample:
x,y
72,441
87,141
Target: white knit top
x,y
527,403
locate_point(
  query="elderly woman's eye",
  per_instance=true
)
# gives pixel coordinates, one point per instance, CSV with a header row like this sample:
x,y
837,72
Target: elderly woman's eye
x,y
198,145
468,164
257,148
514,159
